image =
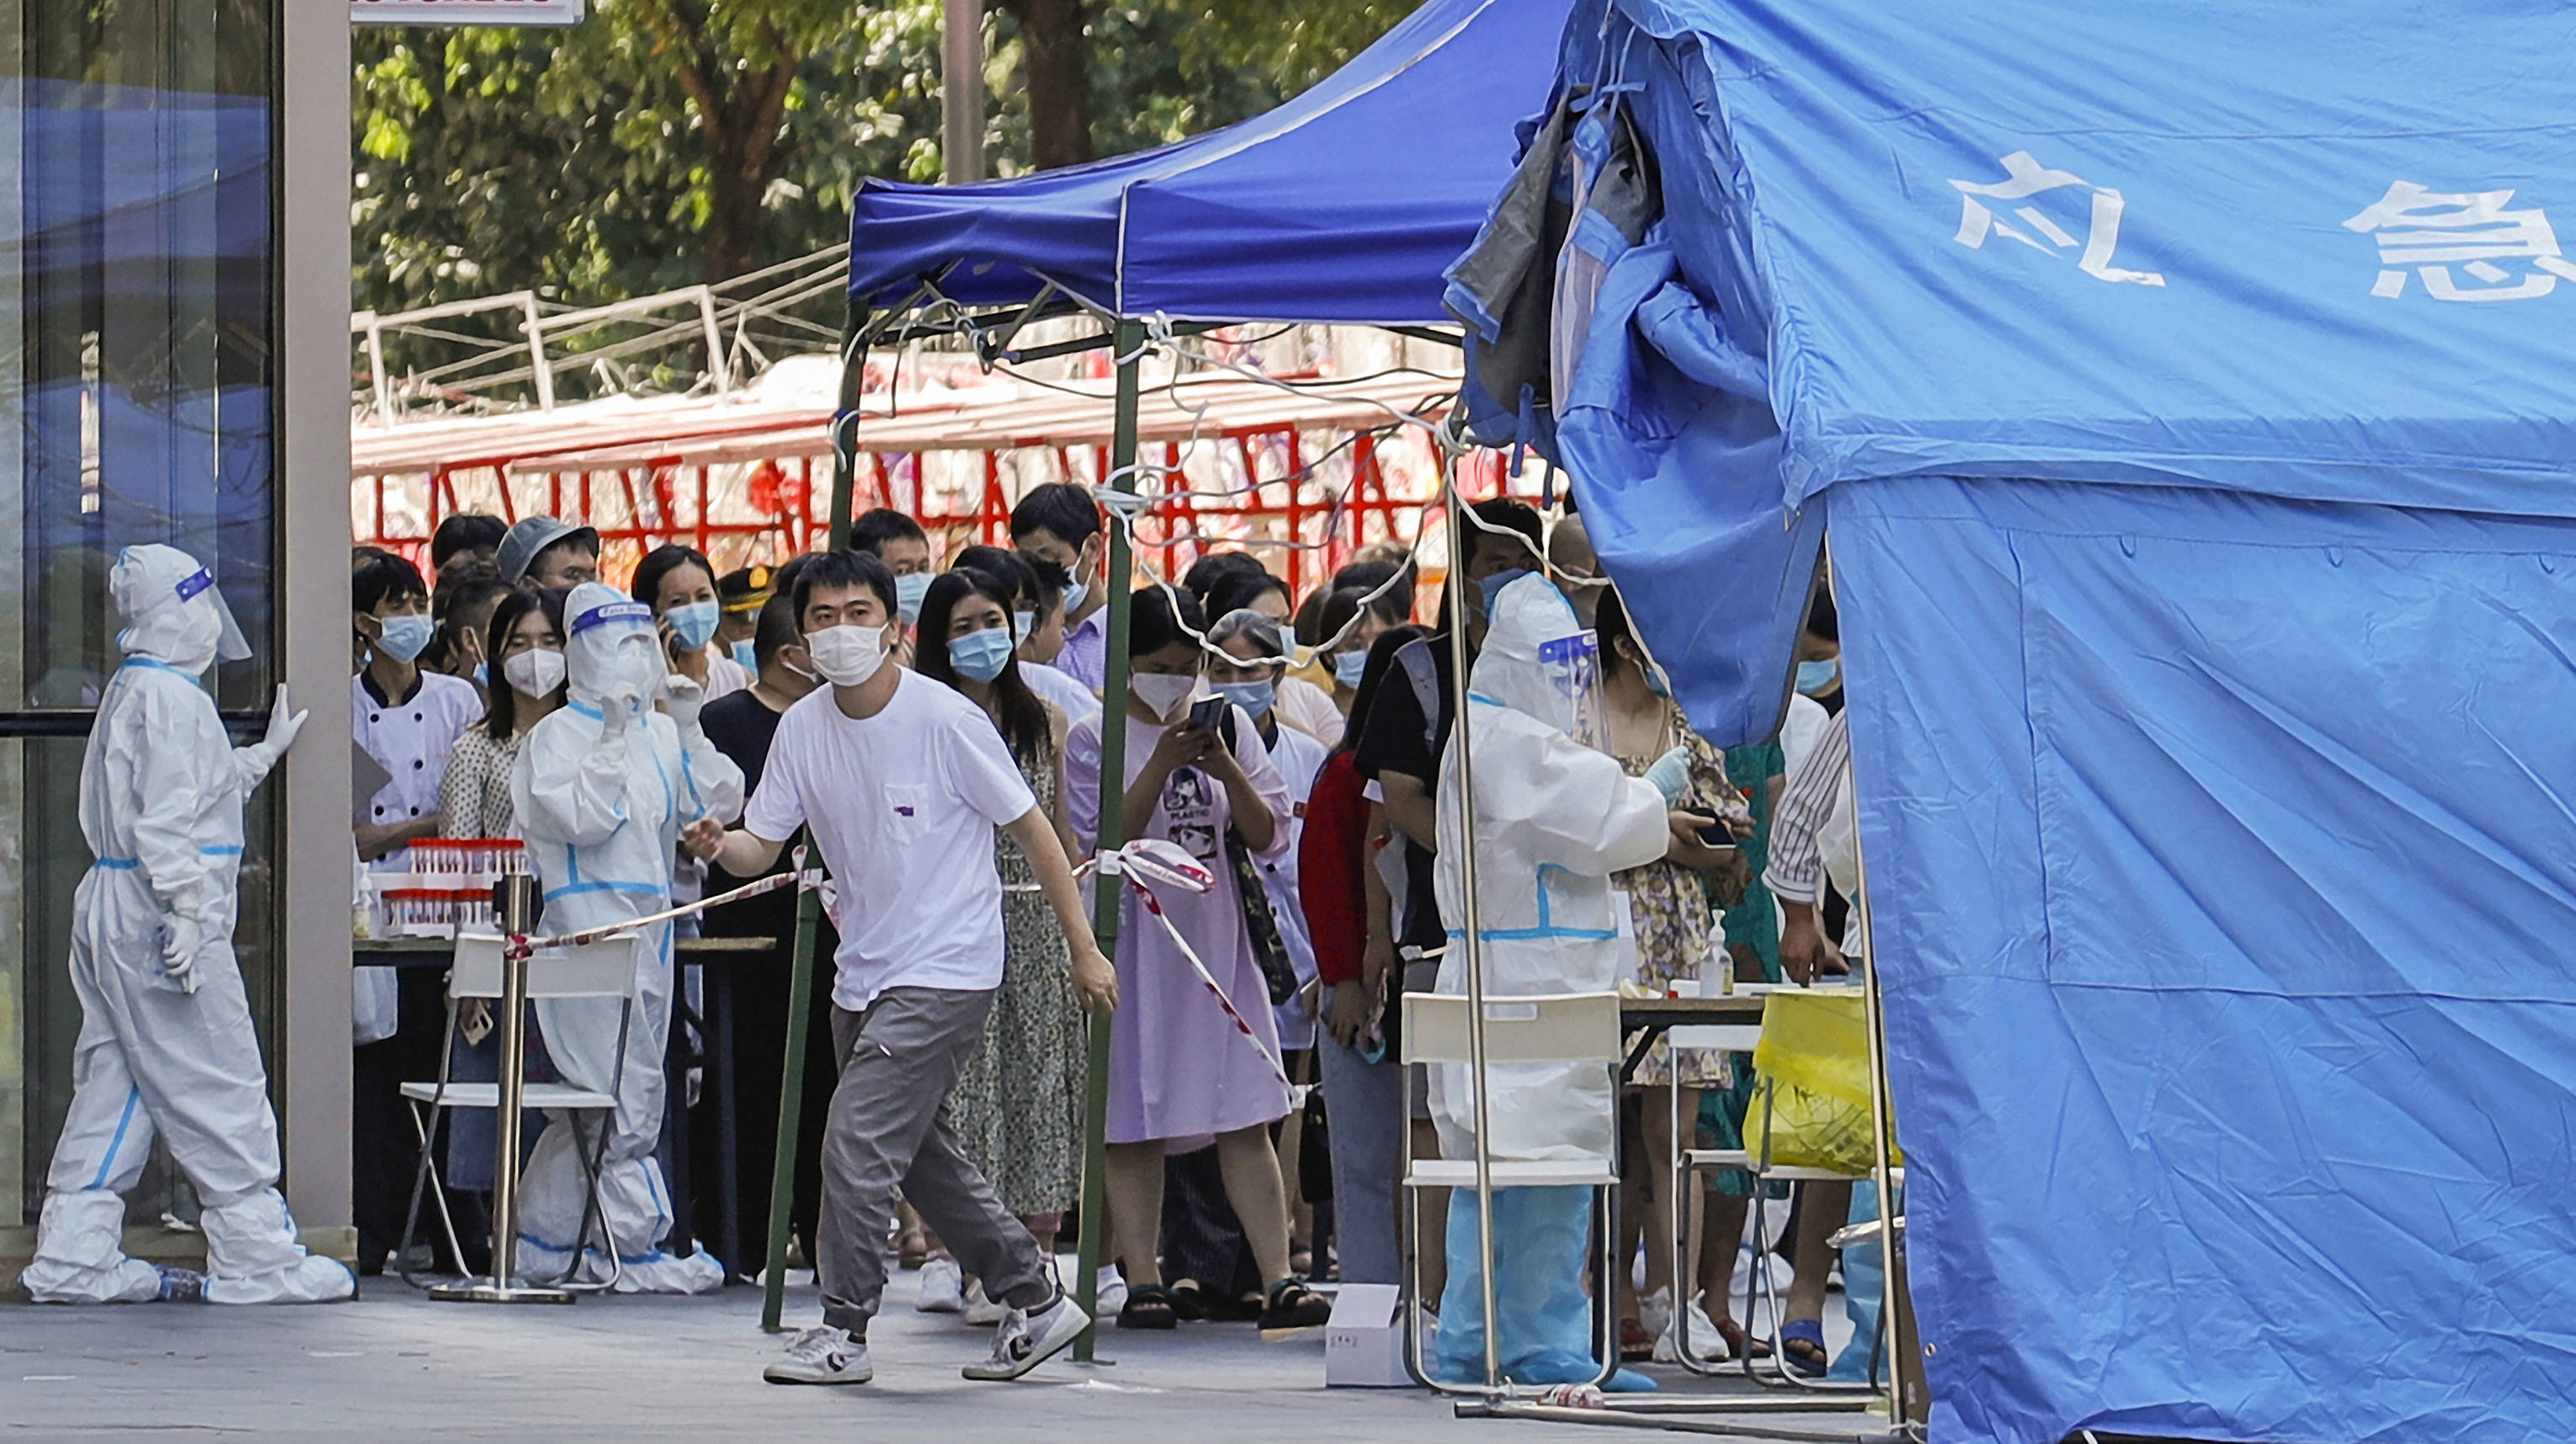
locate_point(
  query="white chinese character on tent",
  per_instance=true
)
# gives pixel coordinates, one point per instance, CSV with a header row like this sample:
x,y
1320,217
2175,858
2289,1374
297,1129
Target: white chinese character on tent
x,y
2024,178
2433,232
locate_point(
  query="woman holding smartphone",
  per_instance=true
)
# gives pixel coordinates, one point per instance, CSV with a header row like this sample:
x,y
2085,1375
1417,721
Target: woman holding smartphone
x,y
679,584
1179,1068
1669,921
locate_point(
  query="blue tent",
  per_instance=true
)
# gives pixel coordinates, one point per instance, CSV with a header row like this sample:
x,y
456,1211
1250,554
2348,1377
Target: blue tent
x,y
2185,389
1342,205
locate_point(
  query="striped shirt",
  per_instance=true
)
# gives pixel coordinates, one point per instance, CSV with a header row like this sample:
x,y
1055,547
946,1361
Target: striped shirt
x,y
1796,870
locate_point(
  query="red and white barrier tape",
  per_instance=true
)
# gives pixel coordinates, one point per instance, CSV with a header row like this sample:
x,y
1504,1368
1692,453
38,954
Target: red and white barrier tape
x,y
520,946
1169,865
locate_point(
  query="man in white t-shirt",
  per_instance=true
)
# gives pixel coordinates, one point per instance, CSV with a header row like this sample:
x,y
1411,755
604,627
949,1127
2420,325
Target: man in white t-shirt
x,y
902,782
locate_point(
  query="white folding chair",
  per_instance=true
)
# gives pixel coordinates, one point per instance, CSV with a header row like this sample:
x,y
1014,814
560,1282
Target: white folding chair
x,y
1551,1028
604,969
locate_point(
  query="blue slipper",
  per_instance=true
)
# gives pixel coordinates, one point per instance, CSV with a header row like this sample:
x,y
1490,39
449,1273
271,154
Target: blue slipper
x,y
1804,1331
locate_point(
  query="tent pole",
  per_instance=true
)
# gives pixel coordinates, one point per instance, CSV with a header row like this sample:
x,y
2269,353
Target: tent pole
x,y
800,973
1106,890
1473,941
1895,1313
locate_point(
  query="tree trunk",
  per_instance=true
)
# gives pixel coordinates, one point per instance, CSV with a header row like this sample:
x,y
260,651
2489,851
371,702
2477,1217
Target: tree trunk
x,y
1059,81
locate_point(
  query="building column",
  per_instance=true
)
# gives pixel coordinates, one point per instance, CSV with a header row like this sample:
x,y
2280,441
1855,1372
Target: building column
x,y
312,1046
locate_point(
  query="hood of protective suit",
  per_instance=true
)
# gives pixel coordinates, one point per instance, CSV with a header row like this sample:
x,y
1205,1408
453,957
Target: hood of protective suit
x,y
611,645
174,615
1540,661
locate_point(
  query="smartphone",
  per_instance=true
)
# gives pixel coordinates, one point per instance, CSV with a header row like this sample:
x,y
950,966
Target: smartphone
x,y
1716,836
1207,713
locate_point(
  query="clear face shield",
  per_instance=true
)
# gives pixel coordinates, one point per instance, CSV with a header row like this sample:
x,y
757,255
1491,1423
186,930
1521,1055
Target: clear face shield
x,y
1572,666
230,645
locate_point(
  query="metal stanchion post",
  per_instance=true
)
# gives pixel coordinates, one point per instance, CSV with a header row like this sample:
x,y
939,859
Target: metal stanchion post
x,y
1460,657
1127,347
514,907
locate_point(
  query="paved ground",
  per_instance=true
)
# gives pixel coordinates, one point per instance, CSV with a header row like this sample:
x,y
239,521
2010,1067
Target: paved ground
x,y
397,1367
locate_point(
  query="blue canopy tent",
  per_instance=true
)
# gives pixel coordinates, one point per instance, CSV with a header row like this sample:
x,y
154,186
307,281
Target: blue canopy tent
x,y
2185,391
1343,205
1340,207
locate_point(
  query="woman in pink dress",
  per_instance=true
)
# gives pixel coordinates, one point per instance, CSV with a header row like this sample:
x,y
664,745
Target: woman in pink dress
x,y
1179,1069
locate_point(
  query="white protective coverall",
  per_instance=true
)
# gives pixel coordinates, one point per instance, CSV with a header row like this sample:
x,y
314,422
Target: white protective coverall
x,y
603,789
1555,817
166,1043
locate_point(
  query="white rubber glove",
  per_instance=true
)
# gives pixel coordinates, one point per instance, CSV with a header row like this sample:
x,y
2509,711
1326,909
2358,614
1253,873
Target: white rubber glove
x,y
617,710
1671,775
283,724
682,697
183,934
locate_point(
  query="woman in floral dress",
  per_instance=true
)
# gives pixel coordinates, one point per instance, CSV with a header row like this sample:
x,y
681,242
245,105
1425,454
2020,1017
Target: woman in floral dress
x,y
1017,1106
1677,939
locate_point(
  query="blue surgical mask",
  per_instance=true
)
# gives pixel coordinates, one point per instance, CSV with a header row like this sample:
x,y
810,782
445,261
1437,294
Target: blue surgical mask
x,y
482,675
1075,594
1493,586
1815,677
1252,697
1348,667
693,625
1023,624
980,656
404,638
909,589
746,656
1657,682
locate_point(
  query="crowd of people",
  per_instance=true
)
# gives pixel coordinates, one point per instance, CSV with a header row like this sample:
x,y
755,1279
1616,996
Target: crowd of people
x,y
936,727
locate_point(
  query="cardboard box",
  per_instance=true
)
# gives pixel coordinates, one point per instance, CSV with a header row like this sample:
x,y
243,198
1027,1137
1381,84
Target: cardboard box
x,y
1364,1342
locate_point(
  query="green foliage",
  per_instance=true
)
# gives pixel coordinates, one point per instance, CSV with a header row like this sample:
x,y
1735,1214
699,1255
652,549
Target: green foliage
x,y
582,163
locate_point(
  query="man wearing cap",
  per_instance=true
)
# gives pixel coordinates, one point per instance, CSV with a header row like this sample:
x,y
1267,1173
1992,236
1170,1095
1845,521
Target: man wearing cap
x,y
549,553
741,595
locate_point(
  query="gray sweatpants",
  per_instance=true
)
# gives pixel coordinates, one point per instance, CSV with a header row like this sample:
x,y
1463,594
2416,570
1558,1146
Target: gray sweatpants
x,y
889,1131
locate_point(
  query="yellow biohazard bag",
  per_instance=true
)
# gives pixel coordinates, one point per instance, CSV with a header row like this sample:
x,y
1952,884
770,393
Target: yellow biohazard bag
x,y
1811,1109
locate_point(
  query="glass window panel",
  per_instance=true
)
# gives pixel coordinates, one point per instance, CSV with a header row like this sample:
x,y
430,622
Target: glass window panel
x,y
137,303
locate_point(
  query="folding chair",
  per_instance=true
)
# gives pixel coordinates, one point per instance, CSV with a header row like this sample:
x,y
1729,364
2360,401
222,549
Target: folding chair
x,y
1757,1161
604,969
1553,1028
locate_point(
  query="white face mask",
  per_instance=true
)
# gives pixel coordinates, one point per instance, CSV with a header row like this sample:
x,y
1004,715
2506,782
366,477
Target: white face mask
x,y
847,655
535,673
1163,695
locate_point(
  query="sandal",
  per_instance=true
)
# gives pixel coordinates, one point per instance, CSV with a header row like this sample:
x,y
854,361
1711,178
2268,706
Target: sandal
x,y
1243,1309
1149,1306
1636,1346
1292,1308
1802,1347
1739,1344
1189,1302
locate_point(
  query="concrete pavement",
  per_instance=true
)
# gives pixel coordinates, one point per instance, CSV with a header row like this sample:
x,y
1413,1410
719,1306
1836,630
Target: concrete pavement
x,y
396,1367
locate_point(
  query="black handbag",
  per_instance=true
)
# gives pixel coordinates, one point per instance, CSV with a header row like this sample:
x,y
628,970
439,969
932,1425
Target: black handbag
x,y
1315,1151
1267,948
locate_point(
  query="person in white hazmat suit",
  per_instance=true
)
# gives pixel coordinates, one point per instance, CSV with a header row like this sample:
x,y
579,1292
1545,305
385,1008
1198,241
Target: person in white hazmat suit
x,y
166,1045
605,790
1555,817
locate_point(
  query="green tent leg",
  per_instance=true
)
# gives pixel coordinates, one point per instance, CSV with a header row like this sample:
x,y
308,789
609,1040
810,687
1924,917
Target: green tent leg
x,y
791,1099
1130,338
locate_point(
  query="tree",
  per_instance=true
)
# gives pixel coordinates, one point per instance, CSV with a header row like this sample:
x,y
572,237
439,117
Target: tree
x,y
665,142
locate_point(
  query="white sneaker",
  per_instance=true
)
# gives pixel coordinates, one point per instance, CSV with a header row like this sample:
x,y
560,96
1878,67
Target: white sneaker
x,y
1027,1340
823,1356
982,1312
1109,1291
943,1287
